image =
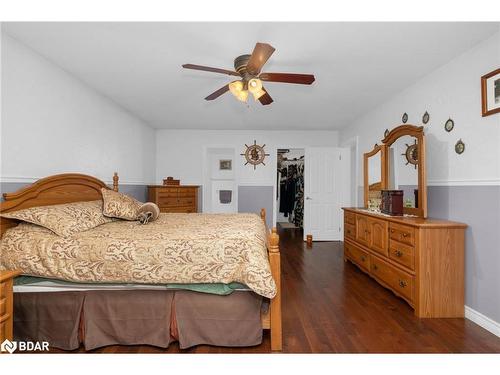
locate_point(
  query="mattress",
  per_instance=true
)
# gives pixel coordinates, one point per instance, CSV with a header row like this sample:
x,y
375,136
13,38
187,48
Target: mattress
x,y
175,249
27,284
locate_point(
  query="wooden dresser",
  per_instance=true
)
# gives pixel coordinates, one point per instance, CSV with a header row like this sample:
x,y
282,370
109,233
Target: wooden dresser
x,y
420,260
6,304
181,198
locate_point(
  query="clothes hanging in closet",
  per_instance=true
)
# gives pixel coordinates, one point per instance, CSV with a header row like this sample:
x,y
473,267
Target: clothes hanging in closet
x,y
291,195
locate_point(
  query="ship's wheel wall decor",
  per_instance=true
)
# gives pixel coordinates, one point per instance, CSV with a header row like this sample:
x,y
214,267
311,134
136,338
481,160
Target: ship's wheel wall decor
x,y
411,154
255,154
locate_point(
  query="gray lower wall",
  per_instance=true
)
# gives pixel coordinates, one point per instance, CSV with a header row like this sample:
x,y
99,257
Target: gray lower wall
x,y
139,192
479,208
253,198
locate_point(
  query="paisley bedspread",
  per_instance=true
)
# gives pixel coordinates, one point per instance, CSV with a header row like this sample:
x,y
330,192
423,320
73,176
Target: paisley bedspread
x,y
176,248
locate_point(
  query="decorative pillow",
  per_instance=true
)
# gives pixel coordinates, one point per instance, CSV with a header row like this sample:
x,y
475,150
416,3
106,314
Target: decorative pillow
x,y
148,212
119,205
63,219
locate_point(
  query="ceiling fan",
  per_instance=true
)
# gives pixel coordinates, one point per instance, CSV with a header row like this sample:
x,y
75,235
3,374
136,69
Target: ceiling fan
x,y
248,69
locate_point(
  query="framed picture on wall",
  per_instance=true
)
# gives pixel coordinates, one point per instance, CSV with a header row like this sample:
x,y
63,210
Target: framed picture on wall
x,y
490,93
225,165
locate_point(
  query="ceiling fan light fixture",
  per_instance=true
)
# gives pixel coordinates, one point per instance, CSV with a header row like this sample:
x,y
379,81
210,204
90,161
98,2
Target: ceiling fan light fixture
x,y
258,94
254,85
236,87
242,95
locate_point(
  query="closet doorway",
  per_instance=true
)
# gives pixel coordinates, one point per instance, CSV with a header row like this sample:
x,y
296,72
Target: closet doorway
x,y
290,188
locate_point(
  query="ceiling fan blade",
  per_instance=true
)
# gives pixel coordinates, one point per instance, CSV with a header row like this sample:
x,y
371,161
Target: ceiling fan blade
x,y
209,69
301,79
266,99
261,53
218,93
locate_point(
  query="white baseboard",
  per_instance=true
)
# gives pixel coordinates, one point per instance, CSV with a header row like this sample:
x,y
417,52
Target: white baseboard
x,y
483,321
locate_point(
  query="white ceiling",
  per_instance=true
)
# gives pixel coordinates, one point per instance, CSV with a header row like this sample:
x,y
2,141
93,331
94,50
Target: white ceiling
x,y
357,66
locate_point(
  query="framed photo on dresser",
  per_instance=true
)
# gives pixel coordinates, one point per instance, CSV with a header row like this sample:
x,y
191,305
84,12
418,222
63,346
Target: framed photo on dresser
x,y
490,93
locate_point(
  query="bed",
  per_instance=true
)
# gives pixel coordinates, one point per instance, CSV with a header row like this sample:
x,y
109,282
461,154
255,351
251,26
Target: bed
x,y
156,290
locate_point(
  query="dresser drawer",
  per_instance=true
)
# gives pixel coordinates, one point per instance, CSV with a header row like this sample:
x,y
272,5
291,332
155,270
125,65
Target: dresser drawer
x,y
350,231
402,233
178,209
360,257
400,281
185,201
350,218
187,192
167,202
404,284
403,254
175,202
167,194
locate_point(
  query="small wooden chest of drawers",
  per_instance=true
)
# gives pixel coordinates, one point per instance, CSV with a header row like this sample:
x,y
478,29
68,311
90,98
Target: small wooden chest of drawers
x,y
180,198
6,304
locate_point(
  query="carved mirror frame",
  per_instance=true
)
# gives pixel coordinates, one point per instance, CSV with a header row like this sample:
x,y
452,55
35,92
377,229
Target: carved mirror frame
x,y
383,170
418,133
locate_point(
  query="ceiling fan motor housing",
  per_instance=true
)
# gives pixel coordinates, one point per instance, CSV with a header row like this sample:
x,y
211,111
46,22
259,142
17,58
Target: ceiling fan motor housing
x,y
240,65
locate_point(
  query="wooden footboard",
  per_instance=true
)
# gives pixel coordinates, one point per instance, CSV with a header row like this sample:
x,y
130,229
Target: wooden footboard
x,y
272,319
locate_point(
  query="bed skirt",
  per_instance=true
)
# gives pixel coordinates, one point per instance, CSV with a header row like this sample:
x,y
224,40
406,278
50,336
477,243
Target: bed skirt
x,y
97,318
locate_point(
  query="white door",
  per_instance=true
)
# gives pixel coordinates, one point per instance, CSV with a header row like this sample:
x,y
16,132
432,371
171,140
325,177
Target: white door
x,y
327,190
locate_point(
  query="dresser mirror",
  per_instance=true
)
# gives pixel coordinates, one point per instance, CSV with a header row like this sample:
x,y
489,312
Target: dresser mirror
x,y
405,163
375,176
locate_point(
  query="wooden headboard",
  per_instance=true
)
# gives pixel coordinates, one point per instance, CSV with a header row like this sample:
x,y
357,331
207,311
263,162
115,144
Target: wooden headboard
x,y
56,189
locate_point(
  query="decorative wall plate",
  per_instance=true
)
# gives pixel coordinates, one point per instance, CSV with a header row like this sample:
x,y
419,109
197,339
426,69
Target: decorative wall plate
x,y
386,133
411,154
255,154
459,147
404,118
449,125
426,117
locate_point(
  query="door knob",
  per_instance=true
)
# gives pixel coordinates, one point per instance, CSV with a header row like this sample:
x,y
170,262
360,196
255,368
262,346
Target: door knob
x,y
308,198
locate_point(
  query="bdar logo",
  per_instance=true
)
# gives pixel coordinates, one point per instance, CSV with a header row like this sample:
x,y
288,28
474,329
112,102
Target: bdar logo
x,y
8,346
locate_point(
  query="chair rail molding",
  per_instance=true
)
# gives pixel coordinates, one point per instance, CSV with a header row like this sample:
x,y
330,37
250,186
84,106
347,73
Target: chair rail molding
x,y
465,182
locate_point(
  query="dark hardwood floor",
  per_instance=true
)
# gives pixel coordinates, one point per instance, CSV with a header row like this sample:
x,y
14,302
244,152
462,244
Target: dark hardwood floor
x,y
332,307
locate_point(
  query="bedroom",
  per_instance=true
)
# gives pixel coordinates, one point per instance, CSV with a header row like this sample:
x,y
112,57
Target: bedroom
x,y
343,204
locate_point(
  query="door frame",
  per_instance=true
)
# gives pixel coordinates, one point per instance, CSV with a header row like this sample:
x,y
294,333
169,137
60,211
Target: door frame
x,y
206,193
353,144
275,186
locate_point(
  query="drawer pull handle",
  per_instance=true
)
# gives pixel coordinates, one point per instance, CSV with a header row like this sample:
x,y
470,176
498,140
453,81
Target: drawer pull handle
x,y
348,231
398,253
363,258
402,283
405,234
392,230
375,267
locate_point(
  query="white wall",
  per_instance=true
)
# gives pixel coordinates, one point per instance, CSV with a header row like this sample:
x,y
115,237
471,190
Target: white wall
x,y
53,123
451,91
180,152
